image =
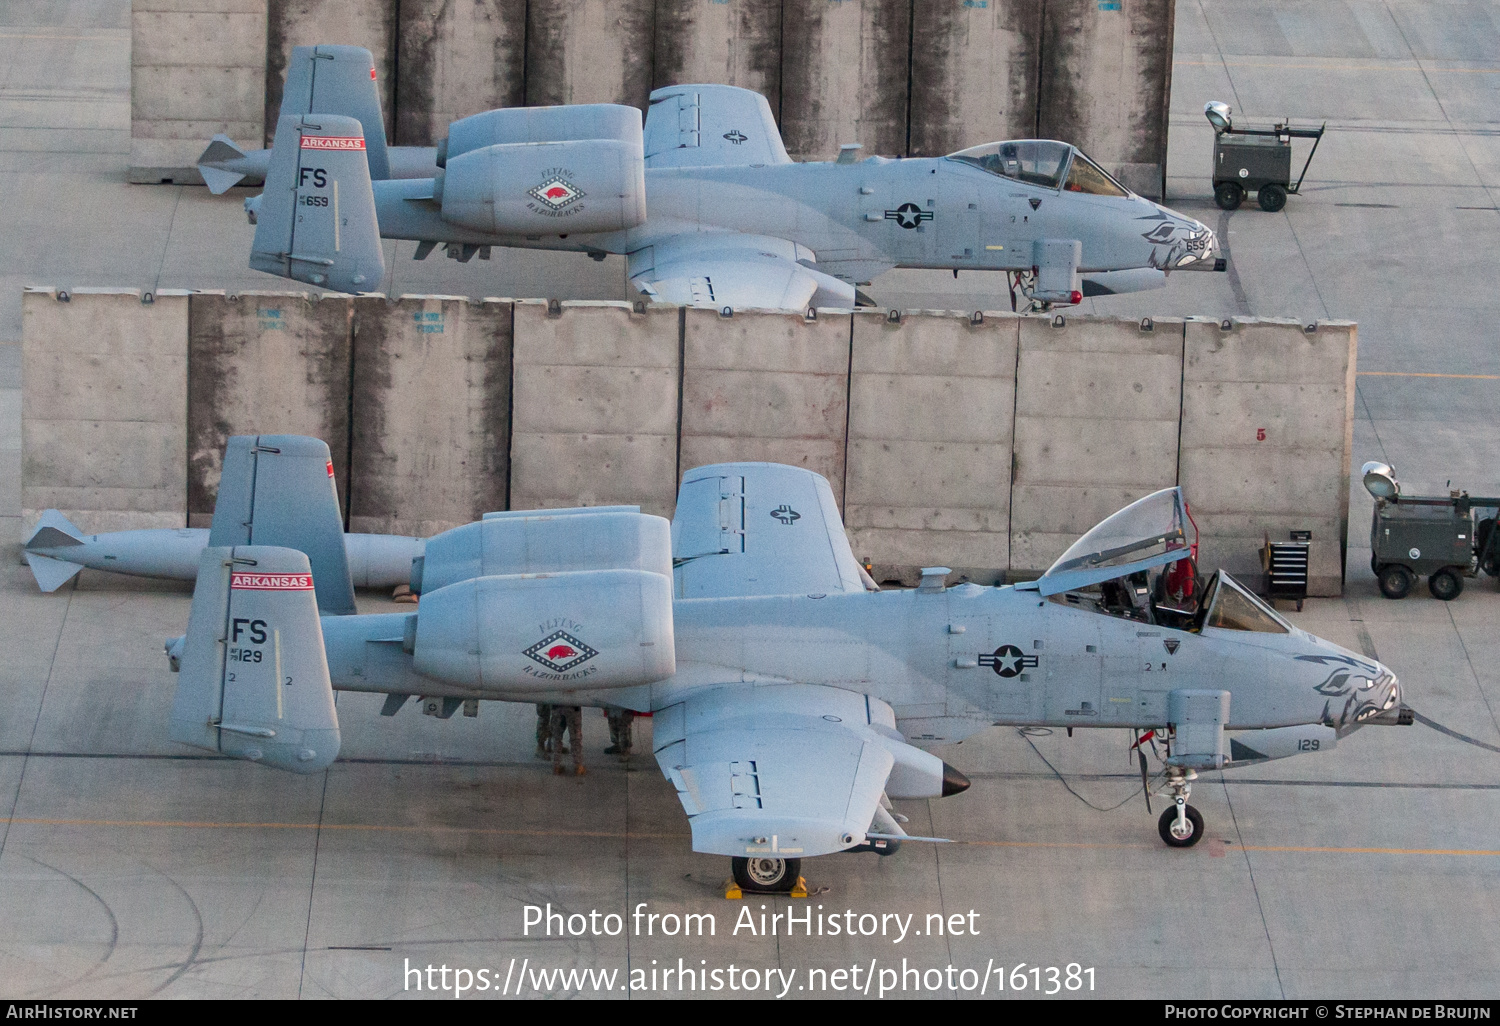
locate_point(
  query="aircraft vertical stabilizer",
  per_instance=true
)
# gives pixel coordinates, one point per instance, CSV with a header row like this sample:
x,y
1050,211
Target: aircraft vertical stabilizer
x,y
279,490
339,80
315,221
254,681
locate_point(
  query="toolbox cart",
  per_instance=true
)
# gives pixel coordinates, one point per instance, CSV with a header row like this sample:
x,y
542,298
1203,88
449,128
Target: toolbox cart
x,y
1445,538
1285,565
1256,160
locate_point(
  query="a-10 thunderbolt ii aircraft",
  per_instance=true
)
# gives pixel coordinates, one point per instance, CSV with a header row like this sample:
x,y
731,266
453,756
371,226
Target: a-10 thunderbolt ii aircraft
x,y
792,698
706,205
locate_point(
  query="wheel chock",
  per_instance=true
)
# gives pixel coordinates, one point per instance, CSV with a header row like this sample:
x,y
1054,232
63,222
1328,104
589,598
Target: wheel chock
x,y
799,889
732,890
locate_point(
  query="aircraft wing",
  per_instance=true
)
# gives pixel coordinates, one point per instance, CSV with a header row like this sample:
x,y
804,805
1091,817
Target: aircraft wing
x,y
715,270
760,529
780,770
711,126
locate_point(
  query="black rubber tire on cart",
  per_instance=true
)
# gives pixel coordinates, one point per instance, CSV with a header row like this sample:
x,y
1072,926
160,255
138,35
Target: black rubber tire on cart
x,y
1169,818
766,876
1229,195
1271,197
1447,584
1395,581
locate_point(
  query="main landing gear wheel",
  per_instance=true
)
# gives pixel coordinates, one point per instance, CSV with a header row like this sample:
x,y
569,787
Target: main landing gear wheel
x,y
1395,581
1445,584
1229,195
1180,831
766,876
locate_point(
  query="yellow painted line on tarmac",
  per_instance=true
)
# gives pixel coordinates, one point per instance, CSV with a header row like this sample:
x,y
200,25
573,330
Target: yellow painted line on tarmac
x,y
382,827
1418,374
498,831
1334,67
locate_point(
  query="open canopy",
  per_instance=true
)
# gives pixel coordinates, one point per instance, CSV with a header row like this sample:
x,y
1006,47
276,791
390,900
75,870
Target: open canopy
x,y
1149,532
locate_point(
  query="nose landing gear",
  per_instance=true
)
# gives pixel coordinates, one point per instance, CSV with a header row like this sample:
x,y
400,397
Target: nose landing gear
x,y
1181,826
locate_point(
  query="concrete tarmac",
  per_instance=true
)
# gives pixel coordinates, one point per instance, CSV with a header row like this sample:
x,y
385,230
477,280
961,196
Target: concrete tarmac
x,y
131,867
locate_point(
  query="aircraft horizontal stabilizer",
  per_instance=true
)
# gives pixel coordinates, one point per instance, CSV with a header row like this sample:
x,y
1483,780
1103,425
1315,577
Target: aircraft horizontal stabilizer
x,y
254,680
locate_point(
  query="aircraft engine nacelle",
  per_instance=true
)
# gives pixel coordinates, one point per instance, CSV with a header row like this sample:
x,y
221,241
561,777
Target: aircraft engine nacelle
x,y
545,542
545,170
588,630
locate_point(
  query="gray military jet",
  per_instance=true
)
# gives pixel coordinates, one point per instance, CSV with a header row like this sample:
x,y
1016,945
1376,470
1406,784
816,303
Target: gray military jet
x,y
792,698
708,208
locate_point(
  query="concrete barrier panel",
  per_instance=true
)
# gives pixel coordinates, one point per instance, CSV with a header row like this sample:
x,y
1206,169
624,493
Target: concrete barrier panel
x,y
589,51
367,23
844,77
973,73
731,42
197,68
1267,421
430,447
272,363
456,60
767,387
103,425
1106,81
594,414
931,411
1098,403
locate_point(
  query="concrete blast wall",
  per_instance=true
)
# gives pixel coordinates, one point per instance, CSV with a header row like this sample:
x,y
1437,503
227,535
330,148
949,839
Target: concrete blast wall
x,y
595,410
1267,421
1106,83
1097,408
263,363
367,23
984,444
430,446
771,387
589,51
973,73
931,410
103,408
732,42
456,59
844,77
197,68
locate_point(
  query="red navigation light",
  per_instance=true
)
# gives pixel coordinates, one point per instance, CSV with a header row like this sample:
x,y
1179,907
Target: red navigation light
x,y
1075,297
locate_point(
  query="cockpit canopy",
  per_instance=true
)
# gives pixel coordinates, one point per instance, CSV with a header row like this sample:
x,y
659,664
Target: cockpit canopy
x,y
1042,162
1149,532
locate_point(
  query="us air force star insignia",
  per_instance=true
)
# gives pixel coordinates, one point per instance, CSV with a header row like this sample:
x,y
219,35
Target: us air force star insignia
x,y
560,651
1008,660
786,514
736,136
1171,645
908,215
557,193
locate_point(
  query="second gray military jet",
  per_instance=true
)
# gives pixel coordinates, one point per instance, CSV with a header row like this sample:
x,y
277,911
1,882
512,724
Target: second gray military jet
x,y
792,699
708,208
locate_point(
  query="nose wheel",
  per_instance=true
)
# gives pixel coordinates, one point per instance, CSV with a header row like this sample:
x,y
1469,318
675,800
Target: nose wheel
x,y
1181,826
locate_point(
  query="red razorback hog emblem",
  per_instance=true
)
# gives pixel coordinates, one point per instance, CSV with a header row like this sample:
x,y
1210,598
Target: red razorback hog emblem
x,y
556,193
560,651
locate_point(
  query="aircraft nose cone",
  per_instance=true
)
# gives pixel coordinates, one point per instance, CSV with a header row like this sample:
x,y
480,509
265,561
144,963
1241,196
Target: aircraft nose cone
x,y
954,782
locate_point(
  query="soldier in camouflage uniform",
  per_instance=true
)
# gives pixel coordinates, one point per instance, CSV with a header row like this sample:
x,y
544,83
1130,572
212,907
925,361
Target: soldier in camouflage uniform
x,y
543,731
620,742
567,718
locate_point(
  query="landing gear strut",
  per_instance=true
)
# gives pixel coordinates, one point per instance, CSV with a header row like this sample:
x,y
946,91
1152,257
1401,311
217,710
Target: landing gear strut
x,y
1181,826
